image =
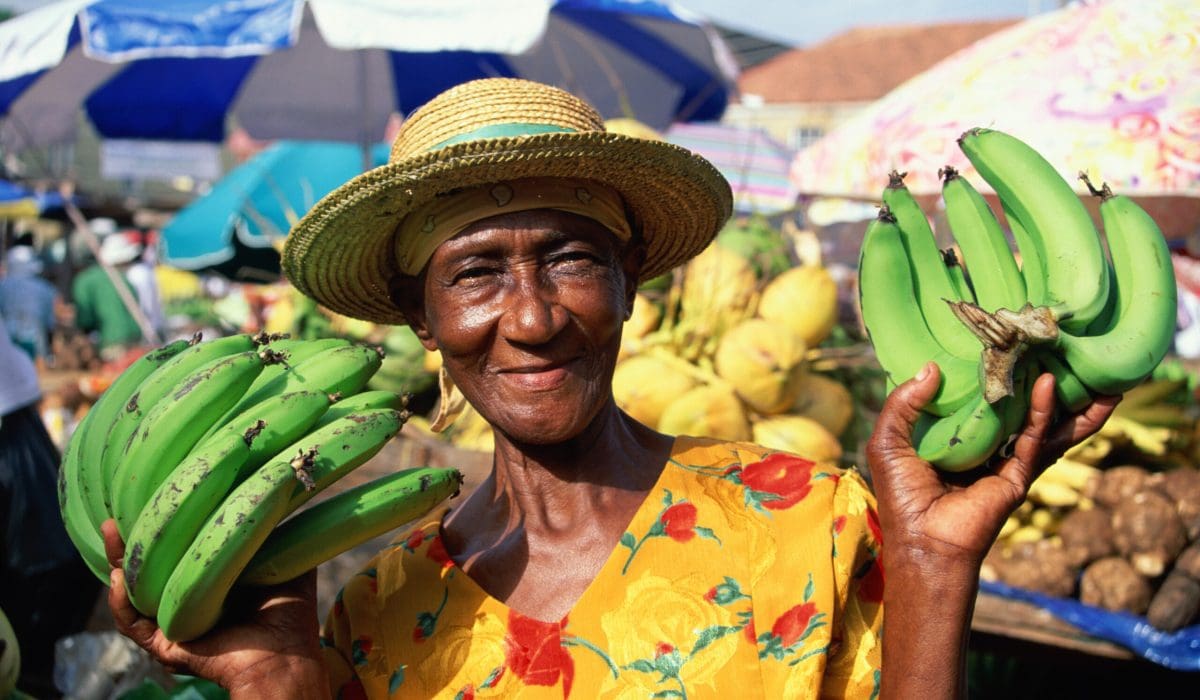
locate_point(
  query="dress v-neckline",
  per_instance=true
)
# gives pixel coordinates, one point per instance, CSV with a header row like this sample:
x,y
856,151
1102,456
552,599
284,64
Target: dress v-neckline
x,y
616,556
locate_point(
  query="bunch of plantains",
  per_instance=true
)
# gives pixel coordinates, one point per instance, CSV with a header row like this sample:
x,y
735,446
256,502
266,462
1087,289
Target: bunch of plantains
x,y
1099,325
202,451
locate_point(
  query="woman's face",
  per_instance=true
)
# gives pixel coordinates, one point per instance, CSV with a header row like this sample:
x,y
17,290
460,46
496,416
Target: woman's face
x,y
527,309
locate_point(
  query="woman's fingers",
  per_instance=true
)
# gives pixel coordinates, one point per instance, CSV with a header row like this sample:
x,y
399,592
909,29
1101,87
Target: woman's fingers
x,y
114,547
1028,449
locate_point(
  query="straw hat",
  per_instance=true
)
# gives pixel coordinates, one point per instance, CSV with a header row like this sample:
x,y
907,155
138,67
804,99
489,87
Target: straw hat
x,y
489,131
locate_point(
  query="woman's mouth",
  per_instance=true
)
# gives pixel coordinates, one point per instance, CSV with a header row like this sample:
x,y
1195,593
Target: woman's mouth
x,y
541,377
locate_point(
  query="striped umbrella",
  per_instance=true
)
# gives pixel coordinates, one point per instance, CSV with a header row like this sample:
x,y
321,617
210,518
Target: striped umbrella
x,y
755,164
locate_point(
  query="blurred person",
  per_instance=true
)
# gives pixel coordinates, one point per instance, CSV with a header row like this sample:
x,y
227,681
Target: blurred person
x,y
27,302
45,588
141,275
98,305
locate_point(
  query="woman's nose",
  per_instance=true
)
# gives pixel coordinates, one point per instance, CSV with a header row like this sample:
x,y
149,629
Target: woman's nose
x,y
533,314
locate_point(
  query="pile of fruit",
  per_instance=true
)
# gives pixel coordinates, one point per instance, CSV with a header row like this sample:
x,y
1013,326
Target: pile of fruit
x,y
1099,324
1116,522
201,451
724,347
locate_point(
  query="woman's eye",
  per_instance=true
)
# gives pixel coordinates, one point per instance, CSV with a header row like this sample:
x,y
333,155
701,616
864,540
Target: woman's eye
x,y
471,274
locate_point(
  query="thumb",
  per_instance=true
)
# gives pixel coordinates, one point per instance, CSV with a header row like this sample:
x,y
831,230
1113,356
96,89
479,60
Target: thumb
x,y
893,429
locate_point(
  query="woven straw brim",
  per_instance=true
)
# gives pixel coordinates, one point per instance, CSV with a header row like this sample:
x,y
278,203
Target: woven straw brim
x,y
342,253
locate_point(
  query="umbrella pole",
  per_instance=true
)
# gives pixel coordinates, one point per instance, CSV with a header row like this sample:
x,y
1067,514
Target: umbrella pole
x,y
127,299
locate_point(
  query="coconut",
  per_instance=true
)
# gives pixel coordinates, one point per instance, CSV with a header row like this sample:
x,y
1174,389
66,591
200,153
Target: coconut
x,y
764,362
645,318
719,288
805,300
826,401
759,243
707,411
798,435
644,385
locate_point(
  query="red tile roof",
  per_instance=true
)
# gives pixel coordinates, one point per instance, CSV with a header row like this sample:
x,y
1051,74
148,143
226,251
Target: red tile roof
x,y
861,64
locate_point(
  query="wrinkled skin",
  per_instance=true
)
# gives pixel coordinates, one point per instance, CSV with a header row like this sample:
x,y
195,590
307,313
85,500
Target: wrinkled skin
x,y
527,309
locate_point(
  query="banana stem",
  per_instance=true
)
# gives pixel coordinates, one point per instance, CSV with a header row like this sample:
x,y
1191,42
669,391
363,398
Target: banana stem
x,y
1005,335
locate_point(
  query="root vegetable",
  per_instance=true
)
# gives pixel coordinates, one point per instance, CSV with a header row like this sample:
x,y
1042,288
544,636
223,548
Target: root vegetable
x,y
1147,530
1037,566
1182,485
1119,484
1177,602
1113,584
1087,535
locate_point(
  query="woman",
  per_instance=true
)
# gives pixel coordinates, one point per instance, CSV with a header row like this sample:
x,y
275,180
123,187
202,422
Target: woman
x,y
600,557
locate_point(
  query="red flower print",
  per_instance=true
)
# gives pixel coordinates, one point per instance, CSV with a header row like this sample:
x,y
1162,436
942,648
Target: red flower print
x,y
535,653
437,552
873,525
751,635
839,524
662,649
791,625
414,540
679,521
786,477
711,596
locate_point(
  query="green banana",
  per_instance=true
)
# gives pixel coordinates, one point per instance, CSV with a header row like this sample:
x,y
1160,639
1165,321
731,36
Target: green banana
x,y
196,590
995,277
325,530
958,276
173,427
80,496
342,369
895,324
932,285
152,389
376,398
1071,392
179,506
968,437
1054,226
1143,320
294,352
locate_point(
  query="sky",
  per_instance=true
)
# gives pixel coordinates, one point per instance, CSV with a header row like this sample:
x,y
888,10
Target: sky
x,y
804,22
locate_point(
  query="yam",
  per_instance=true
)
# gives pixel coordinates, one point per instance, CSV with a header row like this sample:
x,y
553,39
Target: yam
x,y
1119,484
1147,530
1087,535
1113,584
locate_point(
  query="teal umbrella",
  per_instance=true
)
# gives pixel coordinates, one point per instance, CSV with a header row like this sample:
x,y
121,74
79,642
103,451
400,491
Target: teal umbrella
x,y
232,228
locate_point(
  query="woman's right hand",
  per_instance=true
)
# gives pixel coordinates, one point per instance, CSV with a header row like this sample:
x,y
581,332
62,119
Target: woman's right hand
x,y
271,650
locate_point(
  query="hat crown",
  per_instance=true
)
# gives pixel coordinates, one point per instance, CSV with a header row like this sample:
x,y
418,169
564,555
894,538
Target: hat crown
x,y
492,107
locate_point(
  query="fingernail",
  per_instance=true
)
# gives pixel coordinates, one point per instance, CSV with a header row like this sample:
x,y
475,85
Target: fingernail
x,y
923,373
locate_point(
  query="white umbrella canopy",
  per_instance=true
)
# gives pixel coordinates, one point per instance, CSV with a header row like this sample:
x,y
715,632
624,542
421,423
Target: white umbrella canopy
x,y
1112,88
337,69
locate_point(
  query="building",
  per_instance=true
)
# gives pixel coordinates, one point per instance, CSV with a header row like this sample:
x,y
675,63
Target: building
x,y
801,94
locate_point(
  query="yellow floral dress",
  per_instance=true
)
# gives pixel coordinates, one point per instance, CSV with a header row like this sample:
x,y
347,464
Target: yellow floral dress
x,y
745,574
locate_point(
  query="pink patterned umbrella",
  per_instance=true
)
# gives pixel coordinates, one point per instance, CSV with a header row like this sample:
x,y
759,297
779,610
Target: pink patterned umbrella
x,y
1112,88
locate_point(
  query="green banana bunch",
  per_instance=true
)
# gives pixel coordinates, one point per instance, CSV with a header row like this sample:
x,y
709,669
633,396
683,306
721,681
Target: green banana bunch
x,y
1056,238
174,513
932,283
207,457
151,391
80,497
1067,309
895,319
1118,356
347,520
196,590
172,427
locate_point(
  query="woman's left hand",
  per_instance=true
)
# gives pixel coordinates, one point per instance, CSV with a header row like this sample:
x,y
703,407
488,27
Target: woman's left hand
x,y
951,517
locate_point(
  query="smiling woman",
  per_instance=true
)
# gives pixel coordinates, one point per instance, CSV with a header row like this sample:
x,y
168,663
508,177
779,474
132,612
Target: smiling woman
x,y
599,558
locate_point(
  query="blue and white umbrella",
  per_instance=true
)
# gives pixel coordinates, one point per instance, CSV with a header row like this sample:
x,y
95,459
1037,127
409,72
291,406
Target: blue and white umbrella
x,y
337,69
